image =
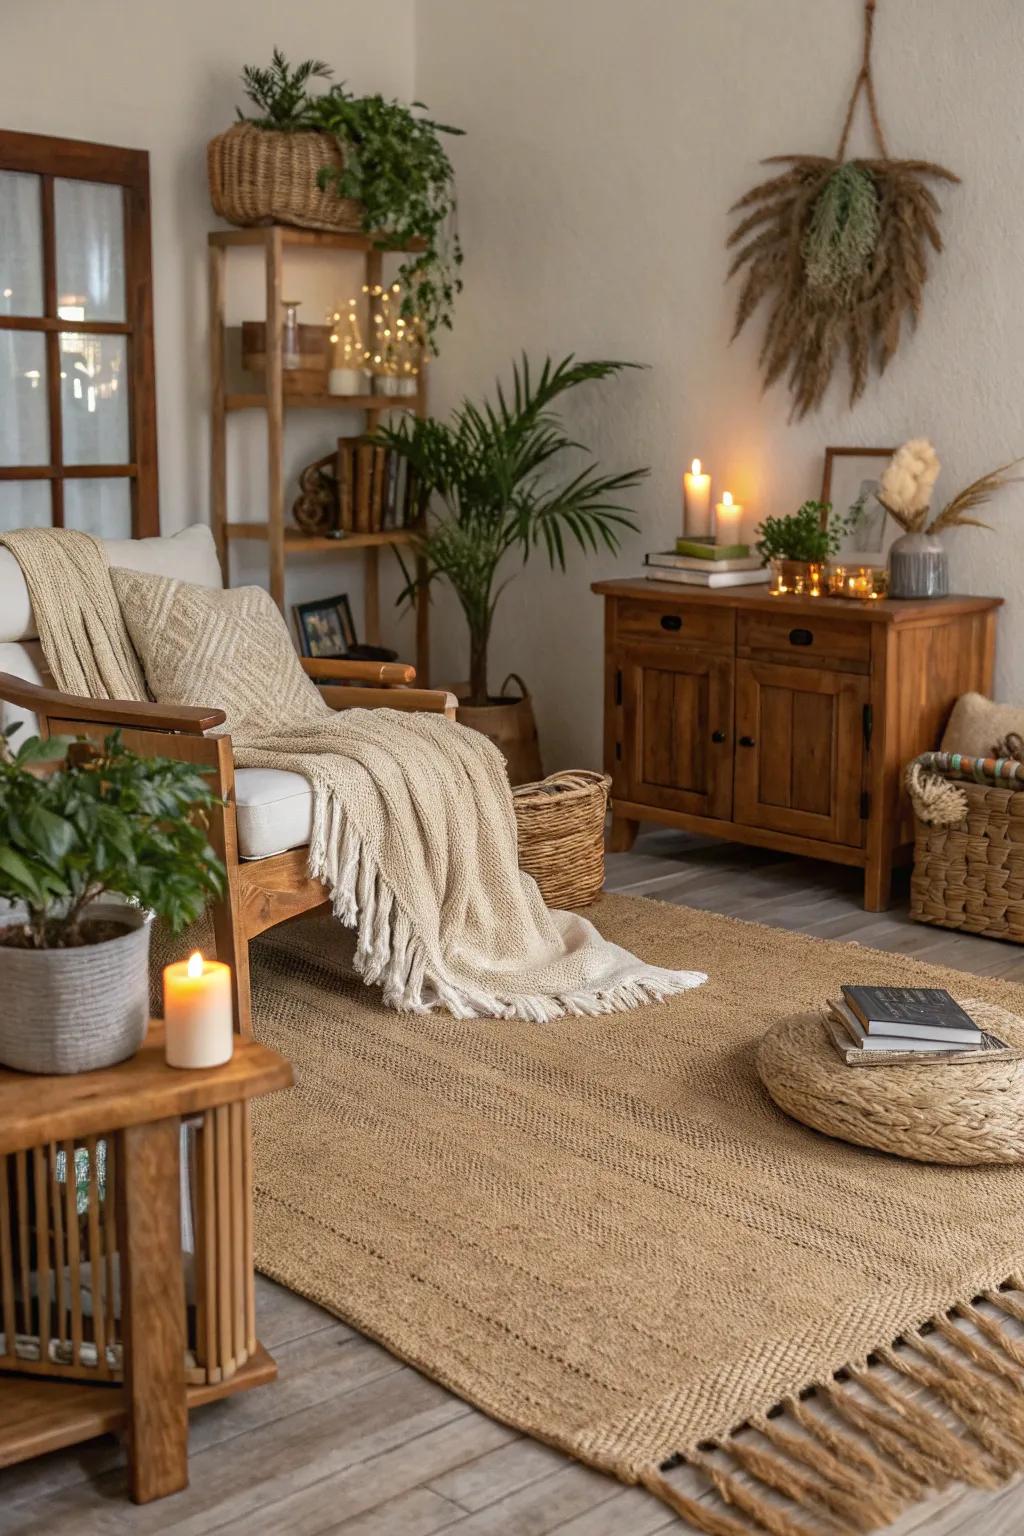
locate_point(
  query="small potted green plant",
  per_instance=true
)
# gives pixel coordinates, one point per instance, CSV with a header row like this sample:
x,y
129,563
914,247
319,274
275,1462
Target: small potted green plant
x,y
79,824
797,546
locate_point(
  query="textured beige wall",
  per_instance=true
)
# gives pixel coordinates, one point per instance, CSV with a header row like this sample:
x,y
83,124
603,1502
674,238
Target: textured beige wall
x,y
606,141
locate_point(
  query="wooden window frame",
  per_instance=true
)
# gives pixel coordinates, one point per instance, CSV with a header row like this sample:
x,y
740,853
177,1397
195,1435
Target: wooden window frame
x,y
75,159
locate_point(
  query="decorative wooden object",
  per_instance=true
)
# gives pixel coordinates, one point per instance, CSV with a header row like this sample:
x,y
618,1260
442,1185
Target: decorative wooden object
x,y
92,1276
783,722
282,540
310,377
260,892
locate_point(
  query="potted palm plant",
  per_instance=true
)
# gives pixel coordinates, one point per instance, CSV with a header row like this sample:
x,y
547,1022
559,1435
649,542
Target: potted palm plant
x,y
74,967
489,494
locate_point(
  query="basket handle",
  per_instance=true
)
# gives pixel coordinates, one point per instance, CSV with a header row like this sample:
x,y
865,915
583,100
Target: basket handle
x,y
514,677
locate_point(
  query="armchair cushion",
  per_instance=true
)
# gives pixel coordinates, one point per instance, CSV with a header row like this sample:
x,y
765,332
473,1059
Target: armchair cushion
x,y
228,648
273,811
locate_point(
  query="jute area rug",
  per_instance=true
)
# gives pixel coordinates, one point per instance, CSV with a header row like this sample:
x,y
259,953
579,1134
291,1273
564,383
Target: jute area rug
x,y
602,1232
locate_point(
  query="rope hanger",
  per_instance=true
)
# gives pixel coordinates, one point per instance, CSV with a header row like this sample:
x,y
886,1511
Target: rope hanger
x,y
865,82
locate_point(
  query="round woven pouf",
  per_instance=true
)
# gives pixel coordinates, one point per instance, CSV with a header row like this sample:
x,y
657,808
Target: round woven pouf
x,y
955,1112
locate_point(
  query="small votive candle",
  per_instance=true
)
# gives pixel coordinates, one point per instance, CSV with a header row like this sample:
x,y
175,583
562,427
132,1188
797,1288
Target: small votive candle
x,y
728,517
198,1017
697,502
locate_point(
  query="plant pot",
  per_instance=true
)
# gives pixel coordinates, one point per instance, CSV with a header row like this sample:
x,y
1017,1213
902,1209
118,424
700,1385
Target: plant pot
x,y
508,722
801,578
918,566
75,1010
260,176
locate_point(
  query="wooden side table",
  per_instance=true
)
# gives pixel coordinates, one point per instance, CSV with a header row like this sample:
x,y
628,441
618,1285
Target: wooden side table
x,y
138,1107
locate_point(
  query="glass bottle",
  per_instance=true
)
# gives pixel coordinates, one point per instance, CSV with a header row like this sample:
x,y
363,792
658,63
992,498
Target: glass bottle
x,y
290,335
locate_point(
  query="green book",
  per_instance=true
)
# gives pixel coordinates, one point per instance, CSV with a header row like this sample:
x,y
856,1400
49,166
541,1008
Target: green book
x,y
710,551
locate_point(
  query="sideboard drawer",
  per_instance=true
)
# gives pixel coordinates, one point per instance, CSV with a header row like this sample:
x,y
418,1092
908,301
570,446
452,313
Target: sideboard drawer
x,y
676,623
805,639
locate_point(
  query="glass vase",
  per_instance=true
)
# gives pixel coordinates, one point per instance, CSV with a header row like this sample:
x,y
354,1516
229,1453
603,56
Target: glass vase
x,y
799,578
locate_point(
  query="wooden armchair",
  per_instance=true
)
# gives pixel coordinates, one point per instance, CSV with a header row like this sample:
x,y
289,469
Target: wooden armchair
x,y
264,888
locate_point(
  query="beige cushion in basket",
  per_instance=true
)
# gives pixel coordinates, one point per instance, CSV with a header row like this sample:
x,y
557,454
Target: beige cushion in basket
x,y
977,723
230,650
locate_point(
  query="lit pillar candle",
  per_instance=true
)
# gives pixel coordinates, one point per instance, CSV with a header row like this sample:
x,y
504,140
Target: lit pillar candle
x,y
728,520
697,493
197,1013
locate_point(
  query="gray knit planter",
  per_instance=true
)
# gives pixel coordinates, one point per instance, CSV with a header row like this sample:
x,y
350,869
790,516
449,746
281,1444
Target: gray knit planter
x,y
918,566
75,1010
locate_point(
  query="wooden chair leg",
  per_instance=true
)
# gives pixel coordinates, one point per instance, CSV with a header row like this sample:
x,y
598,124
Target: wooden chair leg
x,y
233,950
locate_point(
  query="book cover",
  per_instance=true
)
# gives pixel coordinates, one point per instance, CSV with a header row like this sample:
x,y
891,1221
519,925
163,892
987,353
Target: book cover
x,y
669,560
860,1040
346,513
708,578
699,550
927,1013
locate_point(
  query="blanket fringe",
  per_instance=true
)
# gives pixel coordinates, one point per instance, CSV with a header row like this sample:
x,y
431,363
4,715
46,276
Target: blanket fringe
x,y
389,954
874,1441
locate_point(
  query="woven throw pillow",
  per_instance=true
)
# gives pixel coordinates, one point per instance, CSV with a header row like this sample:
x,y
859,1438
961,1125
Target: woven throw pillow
x,y
228,650
977,724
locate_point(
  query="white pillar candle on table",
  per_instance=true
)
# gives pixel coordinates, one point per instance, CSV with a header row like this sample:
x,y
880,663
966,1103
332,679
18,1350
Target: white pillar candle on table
x,y
346,381
198,1017
697,489
728,520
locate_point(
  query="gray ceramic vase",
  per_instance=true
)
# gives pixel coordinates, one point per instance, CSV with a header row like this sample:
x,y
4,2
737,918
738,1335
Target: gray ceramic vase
x,y
918,566
76,1010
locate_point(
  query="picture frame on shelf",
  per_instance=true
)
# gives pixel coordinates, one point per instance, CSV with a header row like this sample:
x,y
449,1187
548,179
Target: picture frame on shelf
x,y
325,627
850,482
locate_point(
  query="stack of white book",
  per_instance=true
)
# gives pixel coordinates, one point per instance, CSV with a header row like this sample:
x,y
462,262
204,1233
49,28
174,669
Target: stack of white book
x,y
702,563
894,1023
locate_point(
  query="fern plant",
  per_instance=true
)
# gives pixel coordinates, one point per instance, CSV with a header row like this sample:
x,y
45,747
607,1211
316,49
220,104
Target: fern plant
x,y
813,533
281,93
488,493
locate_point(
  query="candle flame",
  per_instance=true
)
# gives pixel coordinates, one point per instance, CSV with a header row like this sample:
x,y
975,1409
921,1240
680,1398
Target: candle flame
x,y
727,498
695,467
195,964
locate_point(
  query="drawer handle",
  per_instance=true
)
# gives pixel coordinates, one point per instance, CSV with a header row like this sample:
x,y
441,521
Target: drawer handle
x,y
718,737
801,637
671,621
747,741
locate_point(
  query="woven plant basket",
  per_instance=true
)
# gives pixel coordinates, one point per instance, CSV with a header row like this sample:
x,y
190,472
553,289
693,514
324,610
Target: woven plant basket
x,y
970,875
560,828
258,176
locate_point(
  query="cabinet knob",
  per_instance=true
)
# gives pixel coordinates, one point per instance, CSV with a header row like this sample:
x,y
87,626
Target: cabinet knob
x,y
671,621
747,741
801,637
718,737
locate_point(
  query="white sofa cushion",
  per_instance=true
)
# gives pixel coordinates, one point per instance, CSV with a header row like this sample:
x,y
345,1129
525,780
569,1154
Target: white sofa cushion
x,y
273,811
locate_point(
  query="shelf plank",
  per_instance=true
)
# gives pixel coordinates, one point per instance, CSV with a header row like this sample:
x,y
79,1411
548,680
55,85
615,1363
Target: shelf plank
x,y
320,239
297,542
258,402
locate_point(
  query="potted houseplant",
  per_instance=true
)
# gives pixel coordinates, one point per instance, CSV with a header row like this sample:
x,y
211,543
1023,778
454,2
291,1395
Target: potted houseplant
x,y
338,161
489,494
74,967
797,546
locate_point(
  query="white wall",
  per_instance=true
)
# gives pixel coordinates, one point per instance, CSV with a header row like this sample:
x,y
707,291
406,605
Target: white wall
x,y
165,77
606,141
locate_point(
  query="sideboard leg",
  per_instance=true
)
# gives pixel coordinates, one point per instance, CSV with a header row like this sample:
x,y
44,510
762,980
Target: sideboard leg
x,y
877,885
153,1308
623,834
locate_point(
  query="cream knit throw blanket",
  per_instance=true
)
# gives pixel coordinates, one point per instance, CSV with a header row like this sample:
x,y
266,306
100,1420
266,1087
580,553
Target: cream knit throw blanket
x,y
413,825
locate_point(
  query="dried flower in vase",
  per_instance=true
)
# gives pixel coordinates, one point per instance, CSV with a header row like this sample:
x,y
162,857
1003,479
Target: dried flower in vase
x,y
908,480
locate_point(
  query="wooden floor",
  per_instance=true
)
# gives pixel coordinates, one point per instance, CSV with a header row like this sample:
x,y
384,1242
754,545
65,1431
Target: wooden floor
x,y
350,1441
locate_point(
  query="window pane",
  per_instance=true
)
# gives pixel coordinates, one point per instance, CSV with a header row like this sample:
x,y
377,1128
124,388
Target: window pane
x,y
24,504
90,250
102,507
24,417
21,245
94,399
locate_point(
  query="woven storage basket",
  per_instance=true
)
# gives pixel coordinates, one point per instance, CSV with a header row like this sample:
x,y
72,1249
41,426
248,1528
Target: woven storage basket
x,y
258,176
560,827
971,875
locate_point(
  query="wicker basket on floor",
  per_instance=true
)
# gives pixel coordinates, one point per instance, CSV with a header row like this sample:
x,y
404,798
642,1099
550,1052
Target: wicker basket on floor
x,y
970,875
560,827
258,176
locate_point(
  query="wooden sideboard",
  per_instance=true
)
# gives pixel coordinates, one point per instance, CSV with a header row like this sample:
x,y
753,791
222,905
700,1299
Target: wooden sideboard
x,y
784,722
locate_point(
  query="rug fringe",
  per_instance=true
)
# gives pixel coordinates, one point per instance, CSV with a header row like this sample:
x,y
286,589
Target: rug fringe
x,y
884,1448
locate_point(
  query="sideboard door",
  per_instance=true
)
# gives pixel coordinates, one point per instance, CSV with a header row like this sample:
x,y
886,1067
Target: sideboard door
x,y
677,738
800,751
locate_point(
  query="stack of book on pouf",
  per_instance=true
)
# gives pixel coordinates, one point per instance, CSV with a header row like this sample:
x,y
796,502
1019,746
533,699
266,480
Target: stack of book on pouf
x,y
700,562
875,1025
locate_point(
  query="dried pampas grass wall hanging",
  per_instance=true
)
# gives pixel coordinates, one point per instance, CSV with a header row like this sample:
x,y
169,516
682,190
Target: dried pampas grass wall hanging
x,y
838,249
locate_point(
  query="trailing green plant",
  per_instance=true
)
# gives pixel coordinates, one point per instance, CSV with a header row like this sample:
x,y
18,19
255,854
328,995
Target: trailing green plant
x,y
101,821
281,93
813,533
487,492
393,164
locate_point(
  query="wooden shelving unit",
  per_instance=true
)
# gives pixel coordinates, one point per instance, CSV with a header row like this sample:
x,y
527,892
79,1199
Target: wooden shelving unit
x,y
281,538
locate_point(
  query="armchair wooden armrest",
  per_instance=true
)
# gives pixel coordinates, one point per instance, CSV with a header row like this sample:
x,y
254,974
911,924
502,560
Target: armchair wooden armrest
x,y
50,702
386,674
433,700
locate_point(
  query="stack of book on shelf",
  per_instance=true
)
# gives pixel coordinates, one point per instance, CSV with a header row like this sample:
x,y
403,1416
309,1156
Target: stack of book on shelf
x,y
700,562
375,491
871,1025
